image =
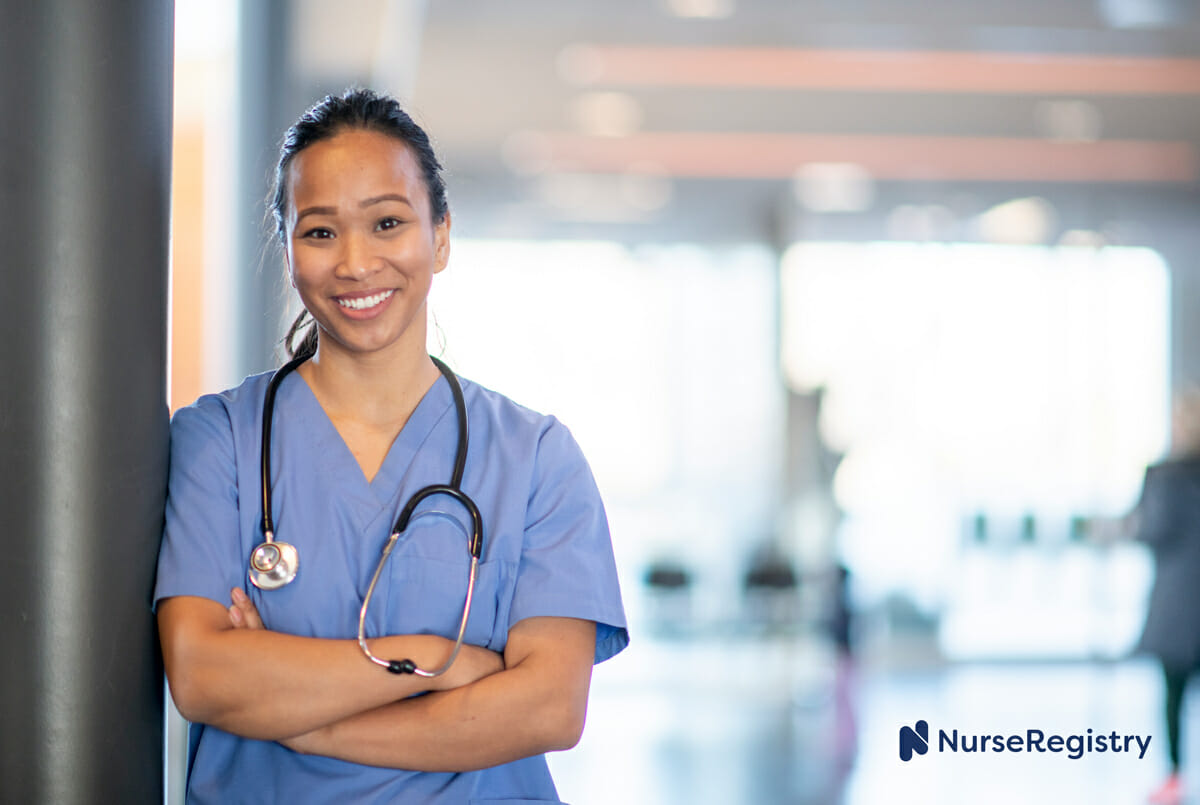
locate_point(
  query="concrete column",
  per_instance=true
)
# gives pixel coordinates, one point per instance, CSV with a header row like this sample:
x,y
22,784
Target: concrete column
x,y
85,154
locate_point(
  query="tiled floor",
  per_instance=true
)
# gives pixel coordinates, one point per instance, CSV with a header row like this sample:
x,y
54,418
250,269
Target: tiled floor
x,y
753,721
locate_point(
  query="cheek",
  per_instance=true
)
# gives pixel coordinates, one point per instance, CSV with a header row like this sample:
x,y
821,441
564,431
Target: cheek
x,y
305,270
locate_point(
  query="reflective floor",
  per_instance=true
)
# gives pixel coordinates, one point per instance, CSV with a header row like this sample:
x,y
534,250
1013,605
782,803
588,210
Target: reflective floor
x,y
758,721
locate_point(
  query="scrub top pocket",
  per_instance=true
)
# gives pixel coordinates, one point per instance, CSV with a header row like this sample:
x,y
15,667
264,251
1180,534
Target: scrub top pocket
x,y
427,582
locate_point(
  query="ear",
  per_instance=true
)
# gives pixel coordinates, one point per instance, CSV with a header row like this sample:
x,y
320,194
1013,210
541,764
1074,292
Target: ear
x,y
441,244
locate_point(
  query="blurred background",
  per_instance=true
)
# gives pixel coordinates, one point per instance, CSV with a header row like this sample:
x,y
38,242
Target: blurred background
x,y
868,315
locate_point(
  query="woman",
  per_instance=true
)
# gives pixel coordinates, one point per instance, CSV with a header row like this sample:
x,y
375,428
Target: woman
x,y
283,703
1168,521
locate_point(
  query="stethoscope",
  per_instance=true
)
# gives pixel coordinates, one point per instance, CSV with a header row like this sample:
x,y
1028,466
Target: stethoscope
x,y
274,564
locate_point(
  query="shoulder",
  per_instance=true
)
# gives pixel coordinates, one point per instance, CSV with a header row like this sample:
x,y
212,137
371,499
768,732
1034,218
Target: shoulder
x,y
1173,470
497,407
547,440
502,414
220,413
1172,485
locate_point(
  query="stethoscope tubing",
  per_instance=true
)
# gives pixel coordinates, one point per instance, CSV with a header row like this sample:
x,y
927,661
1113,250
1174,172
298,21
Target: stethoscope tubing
x,y
453,489
268,417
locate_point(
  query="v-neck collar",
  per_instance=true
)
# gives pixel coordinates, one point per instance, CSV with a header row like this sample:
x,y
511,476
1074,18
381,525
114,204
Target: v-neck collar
x,y
338,462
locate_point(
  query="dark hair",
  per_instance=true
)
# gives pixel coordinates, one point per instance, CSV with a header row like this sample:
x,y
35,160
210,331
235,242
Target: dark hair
x,y
361,109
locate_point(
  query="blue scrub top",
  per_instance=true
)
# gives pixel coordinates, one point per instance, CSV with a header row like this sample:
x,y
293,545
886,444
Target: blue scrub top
x,y
546,551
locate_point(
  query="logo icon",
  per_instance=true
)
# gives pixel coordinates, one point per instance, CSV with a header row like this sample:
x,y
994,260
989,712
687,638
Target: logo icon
x,y
914,739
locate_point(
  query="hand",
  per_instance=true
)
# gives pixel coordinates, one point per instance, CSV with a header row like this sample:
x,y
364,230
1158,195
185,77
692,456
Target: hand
x,y
242,612
473,663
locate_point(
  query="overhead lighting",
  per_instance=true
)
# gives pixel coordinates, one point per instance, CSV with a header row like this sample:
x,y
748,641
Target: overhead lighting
x,y
606,114
1006,73
701,9
1146,13
834,187
1022,221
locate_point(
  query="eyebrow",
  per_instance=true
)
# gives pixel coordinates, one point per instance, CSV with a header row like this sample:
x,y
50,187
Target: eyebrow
x,y
316,211
385,197
362,205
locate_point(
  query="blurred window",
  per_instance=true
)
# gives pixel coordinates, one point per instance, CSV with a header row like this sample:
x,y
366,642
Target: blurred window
x,y
1026,385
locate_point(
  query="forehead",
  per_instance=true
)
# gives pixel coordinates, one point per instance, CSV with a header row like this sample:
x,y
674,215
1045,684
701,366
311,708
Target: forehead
x,y
354,165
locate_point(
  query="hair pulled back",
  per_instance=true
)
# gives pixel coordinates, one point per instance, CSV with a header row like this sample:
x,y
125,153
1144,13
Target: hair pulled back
x,y
354,109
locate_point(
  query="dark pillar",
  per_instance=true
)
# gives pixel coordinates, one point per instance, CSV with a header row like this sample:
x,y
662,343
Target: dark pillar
x,y
85,150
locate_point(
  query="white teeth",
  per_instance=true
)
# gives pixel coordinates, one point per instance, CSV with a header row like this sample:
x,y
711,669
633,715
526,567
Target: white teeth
x,y
364,302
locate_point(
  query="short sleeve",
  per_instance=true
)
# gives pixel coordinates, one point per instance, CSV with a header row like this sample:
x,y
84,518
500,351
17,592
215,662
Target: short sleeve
x,y
567,568
199,554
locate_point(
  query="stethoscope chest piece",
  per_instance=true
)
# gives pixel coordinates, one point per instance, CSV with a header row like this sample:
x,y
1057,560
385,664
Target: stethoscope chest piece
x,y
273,564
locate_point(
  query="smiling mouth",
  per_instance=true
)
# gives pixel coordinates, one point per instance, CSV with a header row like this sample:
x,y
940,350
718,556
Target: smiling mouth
x,y
365,302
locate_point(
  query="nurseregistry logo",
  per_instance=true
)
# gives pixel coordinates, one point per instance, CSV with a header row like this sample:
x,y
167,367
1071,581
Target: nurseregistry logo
x,y
1075,746
914,739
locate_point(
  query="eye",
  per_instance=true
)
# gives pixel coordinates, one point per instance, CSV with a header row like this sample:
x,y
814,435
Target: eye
x,y
317,233
390,222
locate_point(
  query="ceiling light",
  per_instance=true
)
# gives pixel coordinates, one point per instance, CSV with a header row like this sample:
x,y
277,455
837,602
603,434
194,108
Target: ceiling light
x,y
701,9
1146,13
833,187
606,114
1020,221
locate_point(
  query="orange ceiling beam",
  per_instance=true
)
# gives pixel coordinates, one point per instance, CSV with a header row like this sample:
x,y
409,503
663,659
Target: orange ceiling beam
x,y
885,157
881,71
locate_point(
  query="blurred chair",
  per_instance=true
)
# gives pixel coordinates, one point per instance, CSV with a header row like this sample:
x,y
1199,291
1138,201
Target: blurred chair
x,y
669,597
771,590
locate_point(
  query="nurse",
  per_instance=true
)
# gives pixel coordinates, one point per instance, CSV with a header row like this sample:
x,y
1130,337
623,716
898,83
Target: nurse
x,y
283,705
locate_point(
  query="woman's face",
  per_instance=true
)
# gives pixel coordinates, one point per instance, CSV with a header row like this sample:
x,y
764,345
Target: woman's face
x,y
362,247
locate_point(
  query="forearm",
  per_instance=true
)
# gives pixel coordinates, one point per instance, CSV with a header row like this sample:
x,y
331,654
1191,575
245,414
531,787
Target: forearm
x,y
492,721
268,685
536,706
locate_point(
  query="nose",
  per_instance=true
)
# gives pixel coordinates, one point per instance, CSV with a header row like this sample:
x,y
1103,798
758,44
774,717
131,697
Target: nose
x,y
358,259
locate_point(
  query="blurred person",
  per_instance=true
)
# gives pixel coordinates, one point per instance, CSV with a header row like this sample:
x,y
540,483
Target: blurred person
x,y
1168,521
286,705
840,626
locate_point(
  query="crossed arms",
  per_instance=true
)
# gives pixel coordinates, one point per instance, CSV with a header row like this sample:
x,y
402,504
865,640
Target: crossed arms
x,y
323,697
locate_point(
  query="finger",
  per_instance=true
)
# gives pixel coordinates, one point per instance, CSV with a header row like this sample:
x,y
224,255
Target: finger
x,y
236,618
247,610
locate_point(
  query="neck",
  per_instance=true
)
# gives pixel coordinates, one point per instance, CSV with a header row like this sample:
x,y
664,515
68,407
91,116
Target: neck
x,y
376,389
